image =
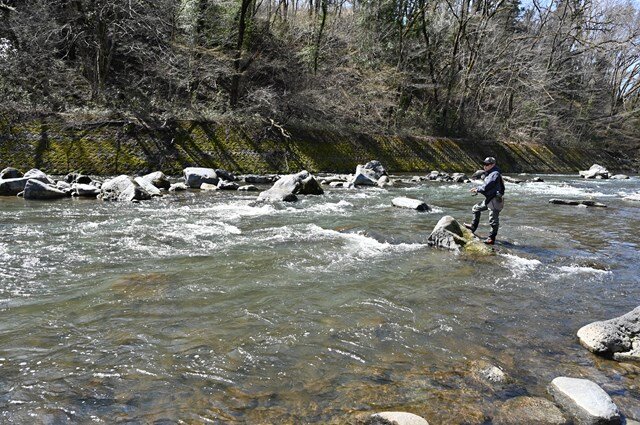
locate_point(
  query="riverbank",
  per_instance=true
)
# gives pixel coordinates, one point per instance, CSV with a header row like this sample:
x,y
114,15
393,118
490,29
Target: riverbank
x,y
58,144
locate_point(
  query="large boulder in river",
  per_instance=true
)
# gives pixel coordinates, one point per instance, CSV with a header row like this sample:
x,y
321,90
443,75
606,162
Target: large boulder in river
x,y
596,171
618,337
158,179
585,401
449,234
368,174
195,176
10,173
36,174
122,188
37,190
147,186
290,185
84,190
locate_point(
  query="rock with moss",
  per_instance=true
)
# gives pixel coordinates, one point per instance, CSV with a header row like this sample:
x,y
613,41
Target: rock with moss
x,y
38,190
449,234
618,338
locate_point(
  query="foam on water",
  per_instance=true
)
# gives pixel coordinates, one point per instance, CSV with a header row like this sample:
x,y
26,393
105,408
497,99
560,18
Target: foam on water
x,y
583,270
519,265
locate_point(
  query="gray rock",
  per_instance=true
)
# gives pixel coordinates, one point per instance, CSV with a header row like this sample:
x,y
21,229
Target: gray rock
x,y
332,179
248,188
529,410
36,174
586,202
618,337
228,185
368,174
384,181
620,177
63,185
536,180
414,204
301,183
37,190
346,185
158,179
224,174
11,187
395,418
596,171
10,173
459,177
511,179
147,186
585,401
258,179
84,190
178,187
449,234
83,179
195,176
123,188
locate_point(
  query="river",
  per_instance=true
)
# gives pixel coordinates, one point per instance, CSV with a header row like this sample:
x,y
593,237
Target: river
x,y
204,307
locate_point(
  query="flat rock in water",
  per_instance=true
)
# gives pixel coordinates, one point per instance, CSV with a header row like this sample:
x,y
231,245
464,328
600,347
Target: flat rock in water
x,y
586,202
620,177
84,190
248,188
529,410
413,204
585,401
178,187
37,190
511,180
195,176
395,418
618,337
208,187
251,178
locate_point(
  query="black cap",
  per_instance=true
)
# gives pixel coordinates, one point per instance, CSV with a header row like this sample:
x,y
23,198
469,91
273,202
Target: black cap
x,y
489,160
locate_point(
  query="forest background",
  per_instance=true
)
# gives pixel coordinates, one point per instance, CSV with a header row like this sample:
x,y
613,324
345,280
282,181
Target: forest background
x,y
552,71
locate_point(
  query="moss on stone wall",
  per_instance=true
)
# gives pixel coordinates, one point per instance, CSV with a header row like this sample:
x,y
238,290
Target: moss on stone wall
x,y
57,146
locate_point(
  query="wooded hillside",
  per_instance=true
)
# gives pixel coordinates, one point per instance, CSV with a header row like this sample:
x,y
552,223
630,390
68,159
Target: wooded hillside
x,y
558,71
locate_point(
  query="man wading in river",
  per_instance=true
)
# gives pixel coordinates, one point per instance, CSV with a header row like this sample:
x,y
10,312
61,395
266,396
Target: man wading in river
x,y
493,191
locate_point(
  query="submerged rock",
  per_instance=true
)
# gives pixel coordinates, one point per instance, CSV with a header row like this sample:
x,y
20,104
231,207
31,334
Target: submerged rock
x,y
37,190
620,177
248,188
395,418
449,234
585,401
586,202
529,410
195,176
618,337
413,204
596,171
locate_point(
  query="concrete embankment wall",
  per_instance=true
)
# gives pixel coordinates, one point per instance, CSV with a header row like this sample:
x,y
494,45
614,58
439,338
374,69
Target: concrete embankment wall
x,y
57,145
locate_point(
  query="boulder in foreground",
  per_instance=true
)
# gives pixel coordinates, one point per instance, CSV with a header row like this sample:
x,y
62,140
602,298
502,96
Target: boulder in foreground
x,y
618,337
585,401
449,234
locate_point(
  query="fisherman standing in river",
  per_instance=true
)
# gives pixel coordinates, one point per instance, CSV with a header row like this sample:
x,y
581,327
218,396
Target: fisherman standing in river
x,y
493,191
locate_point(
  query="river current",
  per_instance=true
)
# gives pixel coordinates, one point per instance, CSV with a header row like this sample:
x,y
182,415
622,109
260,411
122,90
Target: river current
x,y
205,307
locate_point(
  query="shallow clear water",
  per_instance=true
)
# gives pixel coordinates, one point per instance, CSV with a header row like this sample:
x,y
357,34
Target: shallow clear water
x,y
207,307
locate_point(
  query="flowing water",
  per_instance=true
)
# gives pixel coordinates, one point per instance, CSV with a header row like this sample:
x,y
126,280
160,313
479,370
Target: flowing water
x,y
205,307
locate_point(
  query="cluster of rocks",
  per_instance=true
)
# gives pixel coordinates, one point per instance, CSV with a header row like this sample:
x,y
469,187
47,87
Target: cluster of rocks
x,y
572,400
440,176
599,172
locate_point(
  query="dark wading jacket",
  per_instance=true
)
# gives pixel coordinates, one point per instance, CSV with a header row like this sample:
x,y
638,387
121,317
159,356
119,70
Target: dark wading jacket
x,y
493,184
